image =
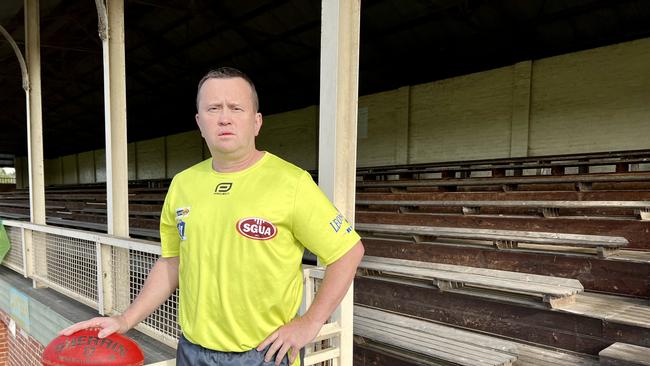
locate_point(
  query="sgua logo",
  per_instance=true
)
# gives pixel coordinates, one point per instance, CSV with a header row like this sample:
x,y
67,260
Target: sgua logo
x,y
256,228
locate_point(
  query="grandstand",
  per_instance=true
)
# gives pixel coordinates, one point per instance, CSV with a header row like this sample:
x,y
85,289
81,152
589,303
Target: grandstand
x,y
501,189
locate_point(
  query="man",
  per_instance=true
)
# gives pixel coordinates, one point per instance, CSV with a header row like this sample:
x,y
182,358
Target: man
x,y
233,230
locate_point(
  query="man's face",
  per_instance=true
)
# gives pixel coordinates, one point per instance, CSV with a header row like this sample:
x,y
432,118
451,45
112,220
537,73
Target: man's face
x,y
227,118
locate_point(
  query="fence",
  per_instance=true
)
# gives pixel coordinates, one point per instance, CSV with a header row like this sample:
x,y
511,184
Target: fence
x,y
107,272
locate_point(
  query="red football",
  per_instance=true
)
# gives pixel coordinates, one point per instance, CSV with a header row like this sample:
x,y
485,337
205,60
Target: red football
x,y
85,348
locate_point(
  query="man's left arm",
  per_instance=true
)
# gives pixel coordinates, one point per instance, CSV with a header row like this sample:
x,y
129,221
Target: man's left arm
x,y
302,330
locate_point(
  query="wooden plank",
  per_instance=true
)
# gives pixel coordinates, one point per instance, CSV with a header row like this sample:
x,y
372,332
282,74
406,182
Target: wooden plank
x,y
488,234
424,348
531,204
582,179
509,275
619,275
526,322
438,329
549,292
622,354
437,341
636,231
537,356
614,309
456,347
517,163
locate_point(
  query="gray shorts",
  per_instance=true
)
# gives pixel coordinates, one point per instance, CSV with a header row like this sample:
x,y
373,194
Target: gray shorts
x,y
190,354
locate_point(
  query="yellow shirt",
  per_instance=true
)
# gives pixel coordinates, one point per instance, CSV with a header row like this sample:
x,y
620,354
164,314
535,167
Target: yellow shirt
x,y
240,237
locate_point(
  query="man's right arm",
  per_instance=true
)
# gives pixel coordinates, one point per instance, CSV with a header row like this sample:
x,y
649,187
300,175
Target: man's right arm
x,y
160,284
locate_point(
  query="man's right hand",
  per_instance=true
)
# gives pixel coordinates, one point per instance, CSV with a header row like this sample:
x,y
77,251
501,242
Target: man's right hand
x,y
107,326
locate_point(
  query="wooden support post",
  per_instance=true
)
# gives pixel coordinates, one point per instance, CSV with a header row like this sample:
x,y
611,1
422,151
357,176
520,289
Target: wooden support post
x,y
339,79
111,32
505,244
550,212
448,174
557,170
644,213
583,186
498,173
604,252
558,302
622,168
465,173
34,113
471,210
34,127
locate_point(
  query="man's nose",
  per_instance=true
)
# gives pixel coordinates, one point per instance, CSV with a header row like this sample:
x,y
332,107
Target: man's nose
x,y
224,118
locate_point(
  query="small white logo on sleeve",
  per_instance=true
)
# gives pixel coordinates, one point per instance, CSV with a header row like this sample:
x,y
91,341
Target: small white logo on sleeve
x,y
256,228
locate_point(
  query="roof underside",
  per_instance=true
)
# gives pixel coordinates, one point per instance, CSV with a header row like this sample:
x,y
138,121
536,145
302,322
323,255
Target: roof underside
x,y
171,44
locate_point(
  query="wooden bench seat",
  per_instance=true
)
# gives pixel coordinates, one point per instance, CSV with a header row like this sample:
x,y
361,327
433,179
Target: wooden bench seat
x,y
552,290
554,162
440,342
368,337
502,239
468,168
16,216
582,181
623,354
547,208
102,211
76,224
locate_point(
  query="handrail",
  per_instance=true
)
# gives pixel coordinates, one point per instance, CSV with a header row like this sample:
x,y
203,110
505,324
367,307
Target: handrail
x,y
94,269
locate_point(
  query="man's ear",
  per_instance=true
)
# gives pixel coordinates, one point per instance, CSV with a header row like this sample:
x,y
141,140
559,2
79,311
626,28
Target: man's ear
x,y
258,122
196,117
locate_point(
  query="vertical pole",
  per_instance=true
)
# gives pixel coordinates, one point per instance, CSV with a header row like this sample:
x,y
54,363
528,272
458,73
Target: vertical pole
x,y
111,31
339,79
34,133
34,113
115,118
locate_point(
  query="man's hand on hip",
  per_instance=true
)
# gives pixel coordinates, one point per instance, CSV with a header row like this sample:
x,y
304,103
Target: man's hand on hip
x,y
290,338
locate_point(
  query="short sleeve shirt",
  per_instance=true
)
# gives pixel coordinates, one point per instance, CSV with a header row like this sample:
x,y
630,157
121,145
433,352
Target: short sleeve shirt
x,y
240,238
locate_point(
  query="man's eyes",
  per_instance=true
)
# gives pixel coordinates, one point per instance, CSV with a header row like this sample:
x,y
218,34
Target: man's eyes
x,y
232,108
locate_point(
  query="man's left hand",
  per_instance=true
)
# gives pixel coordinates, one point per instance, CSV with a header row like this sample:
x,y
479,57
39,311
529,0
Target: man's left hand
x,y
290,337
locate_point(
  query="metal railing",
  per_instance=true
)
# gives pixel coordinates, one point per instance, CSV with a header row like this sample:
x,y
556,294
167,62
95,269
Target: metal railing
x,y
107,272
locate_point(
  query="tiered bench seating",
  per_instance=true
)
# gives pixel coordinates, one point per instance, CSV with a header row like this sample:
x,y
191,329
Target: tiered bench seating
x,y
430,343
546,208
502,239
581,182
556,163
439,342
552,290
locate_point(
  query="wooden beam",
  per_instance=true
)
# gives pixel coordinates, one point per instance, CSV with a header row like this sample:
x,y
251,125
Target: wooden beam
x,y
339,82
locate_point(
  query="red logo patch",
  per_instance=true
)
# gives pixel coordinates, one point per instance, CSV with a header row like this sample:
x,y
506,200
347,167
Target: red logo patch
x,y
256,228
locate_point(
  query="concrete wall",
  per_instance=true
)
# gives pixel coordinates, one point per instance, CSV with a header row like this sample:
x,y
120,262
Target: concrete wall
x,y
183,151
595,100
466,117
292,135
383,128
589,101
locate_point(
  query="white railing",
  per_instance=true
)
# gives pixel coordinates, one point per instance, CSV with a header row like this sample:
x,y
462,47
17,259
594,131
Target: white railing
x,y
107,272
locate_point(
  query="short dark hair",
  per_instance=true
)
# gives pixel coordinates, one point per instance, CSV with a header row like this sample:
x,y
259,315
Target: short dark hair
x,y
228,73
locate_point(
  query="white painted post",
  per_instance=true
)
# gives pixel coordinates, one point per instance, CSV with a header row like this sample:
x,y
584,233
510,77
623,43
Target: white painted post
x,y
34,113
339,79
34,129
111,31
